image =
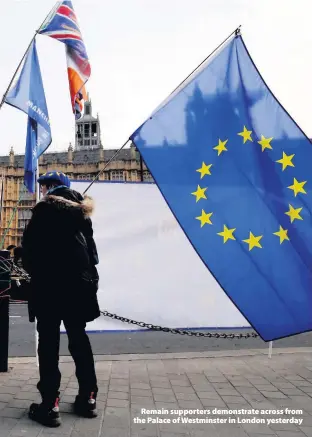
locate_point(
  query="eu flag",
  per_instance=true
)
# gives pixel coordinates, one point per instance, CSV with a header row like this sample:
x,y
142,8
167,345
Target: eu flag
x,y
235,170
28,96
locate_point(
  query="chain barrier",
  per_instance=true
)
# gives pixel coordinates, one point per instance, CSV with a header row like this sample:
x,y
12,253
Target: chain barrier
x,y
182,331
21,274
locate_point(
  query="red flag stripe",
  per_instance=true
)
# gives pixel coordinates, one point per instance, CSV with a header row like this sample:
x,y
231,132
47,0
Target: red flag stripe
x,y
65,10
65,36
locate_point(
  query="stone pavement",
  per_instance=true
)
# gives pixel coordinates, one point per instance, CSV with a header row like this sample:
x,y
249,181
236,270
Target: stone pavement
x,y
243,392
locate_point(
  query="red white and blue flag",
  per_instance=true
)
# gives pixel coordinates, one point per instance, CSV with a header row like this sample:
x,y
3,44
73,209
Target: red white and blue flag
x,y
62,25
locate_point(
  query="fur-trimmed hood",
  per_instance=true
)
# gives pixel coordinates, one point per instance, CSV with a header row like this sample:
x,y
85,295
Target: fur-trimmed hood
x,y
77,203
86,205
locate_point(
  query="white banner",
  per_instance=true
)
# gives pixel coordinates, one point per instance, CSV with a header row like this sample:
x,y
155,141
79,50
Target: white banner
x,y
148,269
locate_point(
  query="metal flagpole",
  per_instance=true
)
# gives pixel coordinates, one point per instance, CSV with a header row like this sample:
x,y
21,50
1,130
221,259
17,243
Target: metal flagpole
x,y
24,56
235,32
105,166
141,168
1,195
3,101
37,200
270,349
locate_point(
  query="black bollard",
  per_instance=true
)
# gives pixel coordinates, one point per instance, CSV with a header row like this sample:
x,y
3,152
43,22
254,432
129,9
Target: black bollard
x,y
5,280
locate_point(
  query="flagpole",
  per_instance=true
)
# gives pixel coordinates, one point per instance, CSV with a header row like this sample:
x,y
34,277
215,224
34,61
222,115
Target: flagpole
x,y
37,185
24,56
105,166
270,349
235,32
37,200
1,194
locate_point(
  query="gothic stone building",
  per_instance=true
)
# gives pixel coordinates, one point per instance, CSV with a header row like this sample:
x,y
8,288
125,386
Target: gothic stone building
x,y
84,161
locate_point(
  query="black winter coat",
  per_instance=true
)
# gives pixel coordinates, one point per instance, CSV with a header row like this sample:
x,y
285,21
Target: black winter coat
x,y
60,255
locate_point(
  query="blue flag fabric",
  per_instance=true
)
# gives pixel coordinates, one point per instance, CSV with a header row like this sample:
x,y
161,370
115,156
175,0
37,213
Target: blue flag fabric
x,y
235,170
28,96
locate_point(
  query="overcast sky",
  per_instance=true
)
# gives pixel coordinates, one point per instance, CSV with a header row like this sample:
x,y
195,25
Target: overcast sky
x,y
140,50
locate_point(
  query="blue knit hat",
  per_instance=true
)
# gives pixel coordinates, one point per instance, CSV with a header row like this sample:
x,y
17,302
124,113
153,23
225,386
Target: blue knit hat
x,y
54,176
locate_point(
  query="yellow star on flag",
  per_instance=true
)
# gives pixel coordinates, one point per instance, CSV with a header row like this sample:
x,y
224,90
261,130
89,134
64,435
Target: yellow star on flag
x,y
294,213
246,134
221,147
227,234
204,170
265,143
282,234
200,193
286,161
253,241
204,218
297,187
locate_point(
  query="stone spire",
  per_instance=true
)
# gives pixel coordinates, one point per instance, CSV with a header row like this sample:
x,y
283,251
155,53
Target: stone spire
x,y
101,152
11,156
70,153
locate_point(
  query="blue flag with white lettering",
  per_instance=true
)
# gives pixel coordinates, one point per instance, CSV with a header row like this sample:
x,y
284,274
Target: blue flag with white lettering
x,y
28,96
235,170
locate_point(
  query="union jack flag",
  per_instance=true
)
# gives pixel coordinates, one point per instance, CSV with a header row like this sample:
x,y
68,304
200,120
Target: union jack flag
x,y
62,25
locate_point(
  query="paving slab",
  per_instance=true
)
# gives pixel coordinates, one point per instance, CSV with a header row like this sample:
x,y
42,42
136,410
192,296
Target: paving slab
x,y
237,393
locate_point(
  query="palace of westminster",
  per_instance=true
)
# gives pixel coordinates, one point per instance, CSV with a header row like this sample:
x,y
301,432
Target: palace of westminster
x,y
84,161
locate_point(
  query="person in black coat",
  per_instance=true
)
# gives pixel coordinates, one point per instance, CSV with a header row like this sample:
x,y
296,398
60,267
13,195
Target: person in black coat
x,y
17,256
60,255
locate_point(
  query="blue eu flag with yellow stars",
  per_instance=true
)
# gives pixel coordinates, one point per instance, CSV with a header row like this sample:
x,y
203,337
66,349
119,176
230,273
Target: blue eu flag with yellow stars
x,y
236,171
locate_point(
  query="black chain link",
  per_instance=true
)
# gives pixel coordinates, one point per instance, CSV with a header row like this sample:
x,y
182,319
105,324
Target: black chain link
x,y
181,331
21,274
